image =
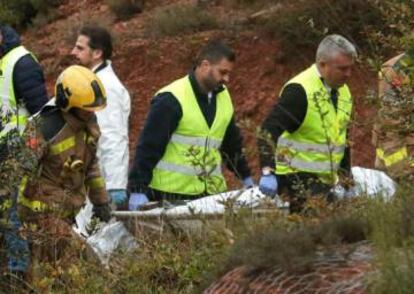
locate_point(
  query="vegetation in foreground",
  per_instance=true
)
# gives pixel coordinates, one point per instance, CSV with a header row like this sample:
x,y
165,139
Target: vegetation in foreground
x,y
180,261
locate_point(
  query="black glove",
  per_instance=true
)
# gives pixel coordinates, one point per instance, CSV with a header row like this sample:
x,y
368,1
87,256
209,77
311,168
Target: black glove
x,y
102,211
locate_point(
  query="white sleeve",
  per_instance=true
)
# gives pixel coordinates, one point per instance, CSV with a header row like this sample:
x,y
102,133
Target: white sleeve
x,y
113,152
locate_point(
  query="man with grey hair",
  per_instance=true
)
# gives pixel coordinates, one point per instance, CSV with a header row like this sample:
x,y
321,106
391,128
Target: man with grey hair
x,y
304,148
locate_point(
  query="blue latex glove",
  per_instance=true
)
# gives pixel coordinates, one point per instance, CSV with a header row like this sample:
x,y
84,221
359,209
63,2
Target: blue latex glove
x,y
248,182
136,200
268,185
118,197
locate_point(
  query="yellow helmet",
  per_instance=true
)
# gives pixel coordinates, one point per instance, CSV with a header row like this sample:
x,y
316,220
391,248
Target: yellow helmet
x,y
79,87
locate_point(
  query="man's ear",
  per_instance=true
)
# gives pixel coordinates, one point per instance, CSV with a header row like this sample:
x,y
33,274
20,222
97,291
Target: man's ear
x,y
204,64
323,63
97,54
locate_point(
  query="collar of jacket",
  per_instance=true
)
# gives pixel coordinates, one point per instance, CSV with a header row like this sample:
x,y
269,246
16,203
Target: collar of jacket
x,y
101,66
197,89
11,39
76,124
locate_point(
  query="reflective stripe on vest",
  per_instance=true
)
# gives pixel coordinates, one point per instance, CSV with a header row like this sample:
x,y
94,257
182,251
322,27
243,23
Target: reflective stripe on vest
x,y
18,114
196,141
318,145
191,163
309,147
15,122
393,158
313,166
188,170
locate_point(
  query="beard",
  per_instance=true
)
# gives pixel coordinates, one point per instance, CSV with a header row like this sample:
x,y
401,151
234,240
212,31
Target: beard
x,y
211,83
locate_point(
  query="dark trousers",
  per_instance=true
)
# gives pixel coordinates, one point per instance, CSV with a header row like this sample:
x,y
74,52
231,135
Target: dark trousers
x,y
172,198
17,248
298,187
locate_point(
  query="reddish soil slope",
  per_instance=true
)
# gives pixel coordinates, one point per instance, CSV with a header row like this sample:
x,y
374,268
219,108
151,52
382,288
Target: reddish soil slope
x,y
145,64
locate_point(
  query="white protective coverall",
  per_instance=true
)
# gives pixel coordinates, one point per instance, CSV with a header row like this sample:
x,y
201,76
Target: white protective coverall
x,y
113,152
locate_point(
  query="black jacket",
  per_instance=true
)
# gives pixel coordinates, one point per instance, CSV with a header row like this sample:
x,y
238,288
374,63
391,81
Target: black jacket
x,y
163,118
28,78
288,115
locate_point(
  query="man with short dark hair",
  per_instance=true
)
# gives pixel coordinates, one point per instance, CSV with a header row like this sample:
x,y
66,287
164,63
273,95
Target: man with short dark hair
x,y
93,49
189,130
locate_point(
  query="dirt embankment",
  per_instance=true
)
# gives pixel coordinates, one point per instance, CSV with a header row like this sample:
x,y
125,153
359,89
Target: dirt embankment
x,y
145,64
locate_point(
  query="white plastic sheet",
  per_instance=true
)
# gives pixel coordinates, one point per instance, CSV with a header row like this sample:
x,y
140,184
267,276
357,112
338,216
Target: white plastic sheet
x,y
107,237
114,235
210,205
373,183
215,204
367,182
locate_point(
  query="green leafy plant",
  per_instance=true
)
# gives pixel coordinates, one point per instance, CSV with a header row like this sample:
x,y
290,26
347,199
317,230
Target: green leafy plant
x,y
303,24
19,13
179,20
125,9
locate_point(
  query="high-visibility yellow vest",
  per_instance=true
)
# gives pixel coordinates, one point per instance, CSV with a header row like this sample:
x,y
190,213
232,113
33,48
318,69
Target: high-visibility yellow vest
x,y
191,164
13,115
318,145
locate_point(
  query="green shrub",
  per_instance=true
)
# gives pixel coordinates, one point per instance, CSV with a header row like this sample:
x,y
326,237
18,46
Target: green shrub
x,y
305,23
393,237
394,34
44,5
179,19
253,3
168,263
16,13
294,247
19,13
124,9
